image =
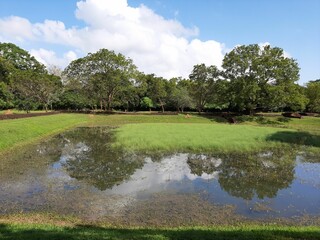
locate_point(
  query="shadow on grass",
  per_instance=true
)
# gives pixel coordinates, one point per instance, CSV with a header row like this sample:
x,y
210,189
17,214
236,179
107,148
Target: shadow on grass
x,y
91,232
300,138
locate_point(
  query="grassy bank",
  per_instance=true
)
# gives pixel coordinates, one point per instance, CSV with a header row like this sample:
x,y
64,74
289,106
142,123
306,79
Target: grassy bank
x,y
23,131
40,231
170,132
197,137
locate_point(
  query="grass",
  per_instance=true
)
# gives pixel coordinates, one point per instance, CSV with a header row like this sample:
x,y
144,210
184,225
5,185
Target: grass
x,y
17,132
195,137
170,132
45,231
116,120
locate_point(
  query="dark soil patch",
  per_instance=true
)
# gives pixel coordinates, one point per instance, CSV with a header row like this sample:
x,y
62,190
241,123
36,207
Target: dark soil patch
x,y
25,115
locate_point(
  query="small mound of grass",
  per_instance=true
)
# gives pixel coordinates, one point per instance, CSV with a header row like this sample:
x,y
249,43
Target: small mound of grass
x,y
195,137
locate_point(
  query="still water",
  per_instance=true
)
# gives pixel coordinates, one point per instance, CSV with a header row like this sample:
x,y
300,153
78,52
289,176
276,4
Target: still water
x,y
78,172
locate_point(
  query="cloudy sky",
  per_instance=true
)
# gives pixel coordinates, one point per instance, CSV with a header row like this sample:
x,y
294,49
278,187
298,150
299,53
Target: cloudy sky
x,y
165,37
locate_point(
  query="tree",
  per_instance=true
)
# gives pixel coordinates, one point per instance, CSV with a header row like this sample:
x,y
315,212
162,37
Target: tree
x,y
203,81
181,98
6,68
313,94
103,73
19,58
146,103
257,75
32,87
156,90
6,98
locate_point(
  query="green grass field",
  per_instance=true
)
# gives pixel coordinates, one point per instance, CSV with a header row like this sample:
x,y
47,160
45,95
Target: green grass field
x,y
50,232
169,132
196,137
26,130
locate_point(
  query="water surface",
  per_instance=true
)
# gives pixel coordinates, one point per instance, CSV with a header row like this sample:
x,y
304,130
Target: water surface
x,y
78,172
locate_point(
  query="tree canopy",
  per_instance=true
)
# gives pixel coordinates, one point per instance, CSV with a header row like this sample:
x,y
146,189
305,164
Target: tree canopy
x,y
252,78
259,77
104,73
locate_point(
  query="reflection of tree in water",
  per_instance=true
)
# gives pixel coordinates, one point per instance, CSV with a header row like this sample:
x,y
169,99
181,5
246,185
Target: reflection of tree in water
x,y
90,157
248,175
200,164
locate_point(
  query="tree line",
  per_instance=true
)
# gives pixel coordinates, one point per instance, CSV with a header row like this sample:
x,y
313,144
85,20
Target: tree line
x,y
252,78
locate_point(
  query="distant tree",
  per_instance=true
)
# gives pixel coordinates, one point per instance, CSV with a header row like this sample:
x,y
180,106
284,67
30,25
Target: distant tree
x,y
203,80
313,94
181,98
146,103
156,90
259,76
104,73
6,69
31,88
6,98
54,70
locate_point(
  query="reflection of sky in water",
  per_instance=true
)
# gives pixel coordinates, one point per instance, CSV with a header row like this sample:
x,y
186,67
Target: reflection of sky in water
x,y
159,176
51,185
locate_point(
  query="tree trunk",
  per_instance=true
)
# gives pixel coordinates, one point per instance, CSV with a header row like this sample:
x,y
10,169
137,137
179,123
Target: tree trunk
x,y
162,107
109,102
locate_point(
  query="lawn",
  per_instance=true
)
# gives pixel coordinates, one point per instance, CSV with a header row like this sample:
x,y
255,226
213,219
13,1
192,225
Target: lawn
x,y
48,232
196,137
26,130
169,132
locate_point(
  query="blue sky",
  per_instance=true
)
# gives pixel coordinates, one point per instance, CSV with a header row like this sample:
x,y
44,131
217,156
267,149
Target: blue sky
x,y
166,37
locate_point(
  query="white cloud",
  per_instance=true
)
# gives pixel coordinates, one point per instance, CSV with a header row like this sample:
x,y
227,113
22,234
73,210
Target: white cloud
x,y
48,57
156,45
16,28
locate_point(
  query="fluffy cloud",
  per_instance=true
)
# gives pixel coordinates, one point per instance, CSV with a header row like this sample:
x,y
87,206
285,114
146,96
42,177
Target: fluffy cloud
x,y
156,45
16,28
48,57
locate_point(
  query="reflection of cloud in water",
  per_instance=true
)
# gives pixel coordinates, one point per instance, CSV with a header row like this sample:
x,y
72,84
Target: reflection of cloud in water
x,y
155,176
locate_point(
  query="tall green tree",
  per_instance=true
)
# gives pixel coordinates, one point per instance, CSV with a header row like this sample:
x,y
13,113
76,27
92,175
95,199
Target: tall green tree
x,y
6,98
259,76
20,58
203,81
157,90
313,94
34,88
103,73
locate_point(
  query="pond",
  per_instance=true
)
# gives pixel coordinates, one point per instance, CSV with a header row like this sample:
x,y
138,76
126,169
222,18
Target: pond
x,y
80,173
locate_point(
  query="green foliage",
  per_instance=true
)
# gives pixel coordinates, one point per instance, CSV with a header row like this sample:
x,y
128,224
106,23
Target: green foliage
x,y
157,90
146,103
254,77
103,74
6,98
33,88
260,76
313,94
181,98
203,83
20,58
5,69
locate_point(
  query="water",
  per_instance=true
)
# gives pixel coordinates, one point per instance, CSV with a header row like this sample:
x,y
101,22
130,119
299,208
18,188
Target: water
x,y
78,172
